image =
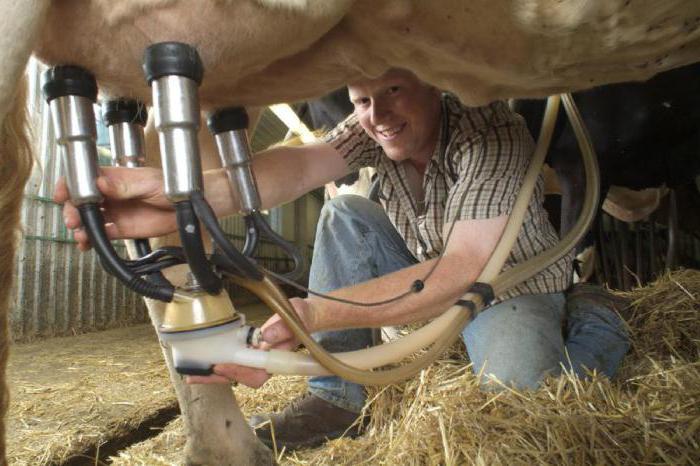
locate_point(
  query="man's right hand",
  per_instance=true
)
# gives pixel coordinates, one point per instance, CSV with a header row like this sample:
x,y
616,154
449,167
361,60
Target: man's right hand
x,y
134,205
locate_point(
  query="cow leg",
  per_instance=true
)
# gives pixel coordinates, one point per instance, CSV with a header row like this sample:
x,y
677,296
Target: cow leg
x,y
572,182
18,35
672,252
217,433
15,168
571,199
638,260
603,251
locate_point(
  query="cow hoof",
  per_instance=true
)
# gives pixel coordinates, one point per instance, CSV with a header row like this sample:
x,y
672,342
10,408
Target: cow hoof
x,y
256,455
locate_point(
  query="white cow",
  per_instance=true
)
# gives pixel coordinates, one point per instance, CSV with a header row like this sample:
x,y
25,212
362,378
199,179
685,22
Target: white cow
x,y
264,51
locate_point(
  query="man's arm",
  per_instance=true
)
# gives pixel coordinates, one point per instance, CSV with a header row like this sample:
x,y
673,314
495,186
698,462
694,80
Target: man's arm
x,y
466,254
282,175
136,207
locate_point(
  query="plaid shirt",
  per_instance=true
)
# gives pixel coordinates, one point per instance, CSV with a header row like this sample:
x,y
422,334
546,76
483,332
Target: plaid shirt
x,y
482,155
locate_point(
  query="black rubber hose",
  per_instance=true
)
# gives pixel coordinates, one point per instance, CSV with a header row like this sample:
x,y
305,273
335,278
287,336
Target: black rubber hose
x,y
155,267
93,222
205,213
143,249
160,253
251,236
191,237
224,264
289,248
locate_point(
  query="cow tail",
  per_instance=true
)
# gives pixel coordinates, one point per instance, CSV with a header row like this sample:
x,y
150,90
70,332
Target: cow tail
x,y
15,167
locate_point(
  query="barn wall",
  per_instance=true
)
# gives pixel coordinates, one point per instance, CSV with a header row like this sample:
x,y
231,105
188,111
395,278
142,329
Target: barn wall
x,y
58,290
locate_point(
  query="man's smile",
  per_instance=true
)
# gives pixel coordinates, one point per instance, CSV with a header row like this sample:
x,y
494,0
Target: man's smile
x,y
390,133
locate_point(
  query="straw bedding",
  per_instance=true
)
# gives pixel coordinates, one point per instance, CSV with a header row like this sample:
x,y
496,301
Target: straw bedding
x,y
650,414
69,395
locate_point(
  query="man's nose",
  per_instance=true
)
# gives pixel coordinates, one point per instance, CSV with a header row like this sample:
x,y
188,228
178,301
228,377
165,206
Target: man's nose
x,y
378,112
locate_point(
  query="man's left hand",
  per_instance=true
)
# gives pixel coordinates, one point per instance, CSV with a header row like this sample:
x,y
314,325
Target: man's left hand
x,y
275,335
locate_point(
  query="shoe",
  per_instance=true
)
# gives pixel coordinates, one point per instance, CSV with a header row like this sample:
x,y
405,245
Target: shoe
x,y
306,422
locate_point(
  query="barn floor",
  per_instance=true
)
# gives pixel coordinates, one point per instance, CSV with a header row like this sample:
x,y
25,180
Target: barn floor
x,y
75,398
649,415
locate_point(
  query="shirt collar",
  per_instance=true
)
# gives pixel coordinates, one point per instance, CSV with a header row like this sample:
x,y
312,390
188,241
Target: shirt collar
x,y
439,153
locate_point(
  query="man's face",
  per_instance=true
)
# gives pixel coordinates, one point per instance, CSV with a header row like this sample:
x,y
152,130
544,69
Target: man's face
x,y
400,112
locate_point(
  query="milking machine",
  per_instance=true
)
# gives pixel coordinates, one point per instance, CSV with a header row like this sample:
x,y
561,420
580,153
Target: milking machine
x,y
125,120
71,92
201,325
229,127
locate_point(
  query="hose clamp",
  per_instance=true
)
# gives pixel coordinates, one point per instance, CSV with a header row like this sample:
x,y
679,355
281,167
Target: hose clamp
x,y
484,290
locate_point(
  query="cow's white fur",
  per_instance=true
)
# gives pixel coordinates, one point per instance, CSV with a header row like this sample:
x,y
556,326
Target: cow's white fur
x,y
480,49
266,51
16,43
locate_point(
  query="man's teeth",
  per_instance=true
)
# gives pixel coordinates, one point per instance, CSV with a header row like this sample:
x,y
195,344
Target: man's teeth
x,y
390,131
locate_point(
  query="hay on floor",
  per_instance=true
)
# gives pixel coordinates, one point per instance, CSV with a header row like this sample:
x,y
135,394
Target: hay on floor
x,y
71,394
167,448
649,415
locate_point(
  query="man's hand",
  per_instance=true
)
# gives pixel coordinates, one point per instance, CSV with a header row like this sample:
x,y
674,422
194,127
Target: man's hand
x,y
134,206
275,335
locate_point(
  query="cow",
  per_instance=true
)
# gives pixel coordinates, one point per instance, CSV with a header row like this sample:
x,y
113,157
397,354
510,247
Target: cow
x,y
652,126
257,52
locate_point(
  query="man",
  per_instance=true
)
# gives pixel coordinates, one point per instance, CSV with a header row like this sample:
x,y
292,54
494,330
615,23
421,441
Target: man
x,y
439,163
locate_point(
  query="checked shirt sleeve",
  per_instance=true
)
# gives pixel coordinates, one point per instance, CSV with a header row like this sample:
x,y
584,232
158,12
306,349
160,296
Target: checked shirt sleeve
x,y
351,141
491,166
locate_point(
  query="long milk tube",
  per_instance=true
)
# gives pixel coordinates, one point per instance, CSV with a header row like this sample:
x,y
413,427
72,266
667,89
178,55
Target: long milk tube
x,y
71,93
125,120
251,236
174,71
450,324
511,277
230,254
192,244
447,327
229,126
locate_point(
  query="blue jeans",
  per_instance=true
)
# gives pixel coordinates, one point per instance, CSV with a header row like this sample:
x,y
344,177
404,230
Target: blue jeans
x,y
518,341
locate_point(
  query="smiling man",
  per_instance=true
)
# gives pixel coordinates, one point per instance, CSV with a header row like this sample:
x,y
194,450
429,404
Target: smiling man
x,y
440,166
438,163
400,113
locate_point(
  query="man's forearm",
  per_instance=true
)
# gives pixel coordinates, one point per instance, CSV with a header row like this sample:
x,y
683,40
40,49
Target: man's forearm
x,y
222,199
275,188
282,174
448,283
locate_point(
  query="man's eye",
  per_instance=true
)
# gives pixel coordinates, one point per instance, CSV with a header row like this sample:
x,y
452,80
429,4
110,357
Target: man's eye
x,y
393,90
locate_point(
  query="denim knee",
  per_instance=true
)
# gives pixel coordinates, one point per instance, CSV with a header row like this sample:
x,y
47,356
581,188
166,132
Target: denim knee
x,y
349,205
518,341
597,338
